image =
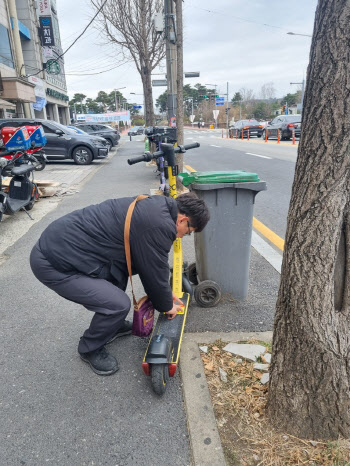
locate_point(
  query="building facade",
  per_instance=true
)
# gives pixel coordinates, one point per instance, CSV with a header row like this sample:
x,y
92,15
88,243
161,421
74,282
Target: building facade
x,y
32,60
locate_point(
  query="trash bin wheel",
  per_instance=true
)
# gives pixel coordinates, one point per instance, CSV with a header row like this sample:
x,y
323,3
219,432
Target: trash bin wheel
x,y
159,378
207,293
191,273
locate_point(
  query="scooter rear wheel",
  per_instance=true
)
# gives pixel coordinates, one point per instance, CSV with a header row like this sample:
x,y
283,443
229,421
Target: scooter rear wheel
x,y
35,196
159,378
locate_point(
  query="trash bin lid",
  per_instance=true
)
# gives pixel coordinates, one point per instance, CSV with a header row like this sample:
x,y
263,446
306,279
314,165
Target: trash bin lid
x,y
236,176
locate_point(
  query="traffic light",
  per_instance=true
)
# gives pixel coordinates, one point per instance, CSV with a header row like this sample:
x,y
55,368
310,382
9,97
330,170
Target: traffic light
x,y
227,110
204,97
284,109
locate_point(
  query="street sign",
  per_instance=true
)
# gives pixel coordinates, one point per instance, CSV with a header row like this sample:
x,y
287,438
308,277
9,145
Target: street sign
x,y
216,114
159,82
220,103
192,74
220,99
192,118
137,106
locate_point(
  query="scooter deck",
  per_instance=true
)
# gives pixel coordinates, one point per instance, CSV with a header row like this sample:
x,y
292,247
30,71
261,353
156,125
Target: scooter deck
x,y
171,328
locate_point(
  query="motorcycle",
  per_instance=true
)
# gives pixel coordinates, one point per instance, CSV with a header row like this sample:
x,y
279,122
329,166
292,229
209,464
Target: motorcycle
x,y
17,160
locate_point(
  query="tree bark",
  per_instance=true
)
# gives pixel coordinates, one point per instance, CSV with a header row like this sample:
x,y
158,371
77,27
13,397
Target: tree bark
x,y
309,393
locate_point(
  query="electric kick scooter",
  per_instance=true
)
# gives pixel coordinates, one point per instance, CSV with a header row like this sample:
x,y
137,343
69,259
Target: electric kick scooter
x,y
162,355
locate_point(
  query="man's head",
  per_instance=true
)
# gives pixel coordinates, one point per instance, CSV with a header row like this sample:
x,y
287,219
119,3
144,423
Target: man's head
x,y
193,214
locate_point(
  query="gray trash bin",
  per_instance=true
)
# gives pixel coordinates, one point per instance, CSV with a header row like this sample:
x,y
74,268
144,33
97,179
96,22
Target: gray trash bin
x,y
223,247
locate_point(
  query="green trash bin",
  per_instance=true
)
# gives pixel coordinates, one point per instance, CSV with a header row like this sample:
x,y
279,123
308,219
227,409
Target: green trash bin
x,y
223,247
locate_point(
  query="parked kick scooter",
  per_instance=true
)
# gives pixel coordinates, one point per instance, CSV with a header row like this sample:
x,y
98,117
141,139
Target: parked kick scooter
x,y
162,355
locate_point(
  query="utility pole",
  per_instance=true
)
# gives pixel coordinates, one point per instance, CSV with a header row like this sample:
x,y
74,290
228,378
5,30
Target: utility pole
x,y
302,91
171,59
179,80
227,110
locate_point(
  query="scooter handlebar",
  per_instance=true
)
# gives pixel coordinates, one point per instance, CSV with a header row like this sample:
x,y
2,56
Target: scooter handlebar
x,y
147,157
194,145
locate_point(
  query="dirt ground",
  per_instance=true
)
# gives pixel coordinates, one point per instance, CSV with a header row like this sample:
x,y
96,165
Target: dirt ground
x,y
246,435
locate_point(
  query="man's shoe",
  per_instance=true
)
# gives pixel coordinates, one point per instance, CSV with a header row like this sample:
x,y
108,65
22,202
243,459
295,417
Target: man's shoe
x,y
101,362
125,329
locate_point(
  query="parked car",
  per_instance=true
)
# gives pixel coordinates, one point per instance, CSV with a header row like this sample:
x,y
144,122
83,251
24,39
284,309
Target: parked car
x,y
285,124
79,131
244,126
110,134
64,143
136,130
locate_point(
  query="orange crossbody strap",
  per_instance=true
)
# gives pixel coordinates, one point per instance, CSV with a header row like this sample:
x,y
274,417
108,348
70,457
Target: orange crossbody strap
x,y
127,240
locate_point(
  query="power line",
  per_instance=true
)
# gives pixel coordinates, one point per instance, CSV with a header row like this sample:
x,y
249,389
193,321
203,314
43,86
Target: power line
x,y
92,20
239,18
90,74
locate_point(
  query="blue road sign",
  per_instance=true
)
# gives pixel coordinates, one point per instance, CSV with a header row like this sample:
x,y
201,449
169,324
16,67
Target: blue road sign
x,y
137,106
220,99
220,103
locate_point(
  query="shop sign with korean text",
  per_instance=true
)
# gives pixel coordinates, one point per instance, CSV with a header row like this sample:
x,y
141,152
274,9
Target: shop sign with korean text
x,y
112,116
44,7
46,31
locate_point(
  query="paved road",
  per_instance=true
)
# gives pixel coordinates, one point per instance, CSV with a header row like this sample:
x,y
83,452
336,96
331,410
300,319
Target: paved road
x,y
273,163
54,409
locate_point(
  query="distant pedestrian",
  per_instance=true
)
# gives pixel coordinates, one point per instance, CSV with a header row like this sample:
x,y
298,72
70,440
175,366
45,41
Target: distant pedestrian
x,y
199,124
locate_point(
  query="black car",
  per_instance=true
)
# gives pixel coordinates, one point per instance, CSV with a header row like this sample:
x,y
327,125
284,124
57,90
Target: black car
x,y
285,125
136,130
111,135
65,143
245,126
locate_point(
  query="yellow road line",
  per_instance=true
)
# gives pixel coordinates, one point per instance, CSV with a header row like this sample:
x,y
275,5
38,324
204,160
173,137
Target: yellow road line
x,y
190,169
269,234
260,227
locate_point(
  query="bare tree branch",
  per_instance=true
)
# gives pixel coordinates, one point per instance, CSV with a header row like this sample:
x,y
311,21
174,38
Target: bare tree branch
x,y
128,24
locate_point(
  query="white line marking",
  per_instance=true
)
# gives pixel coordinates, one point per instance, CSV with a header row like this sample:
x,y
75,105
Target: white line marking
x,y
265,250
213,145
189,138
258,155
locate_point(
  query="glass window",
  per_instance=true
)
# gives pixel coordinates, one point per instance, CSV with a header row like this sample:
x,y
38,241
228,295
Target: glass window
x,y
47,129
5,47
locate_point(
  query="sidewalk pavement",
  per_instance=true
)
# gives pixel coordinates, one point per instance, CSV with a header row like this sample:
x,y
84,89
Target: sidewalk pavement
x,y
55,410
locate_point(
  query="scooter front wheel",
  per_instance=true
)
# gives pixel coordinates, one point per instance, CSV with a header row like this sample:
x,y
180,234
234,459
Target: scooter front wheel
x,y
159,378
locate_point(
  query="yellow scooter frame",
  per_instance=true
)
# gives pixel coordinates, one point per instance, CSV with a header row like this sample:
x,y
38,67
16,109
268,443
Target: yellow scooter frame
x,y
163,351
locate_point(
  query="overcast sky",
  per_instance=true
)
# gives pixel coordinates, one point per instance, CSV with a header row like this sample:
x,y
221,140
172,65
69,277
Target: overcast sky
x,y
244,43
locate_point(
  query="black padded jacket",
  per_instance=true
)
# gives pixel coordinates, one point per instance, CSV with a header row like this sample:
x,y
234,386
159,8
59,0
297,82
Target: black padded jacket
x,y
91,241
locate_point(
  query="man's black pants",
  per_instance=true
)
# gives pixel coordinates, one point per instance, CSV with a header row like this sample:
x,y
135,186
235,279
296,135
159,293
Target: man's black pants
x,y
110,304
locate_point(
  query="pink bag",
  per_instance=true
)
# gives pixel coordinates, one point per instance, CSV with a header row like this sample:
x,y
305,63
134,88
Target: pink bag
x,y
142,324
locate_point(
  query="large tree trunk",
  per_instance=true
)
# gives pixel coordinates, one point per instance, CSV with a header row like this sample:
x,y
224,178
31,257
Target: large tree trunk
x,y
309,394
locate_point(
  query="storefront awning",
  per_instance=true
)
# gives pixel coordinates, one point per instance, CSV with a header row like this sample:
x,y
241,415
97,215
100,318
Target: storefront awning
x,y
5,104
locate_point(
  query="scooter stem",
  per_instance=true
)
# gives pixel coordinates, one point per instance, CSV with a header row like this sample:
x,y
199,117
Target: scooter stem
x,y
177,259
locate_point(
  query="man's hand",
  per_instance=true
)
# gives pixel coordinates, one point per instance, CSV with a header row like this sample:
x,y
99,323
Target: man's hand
x,y
172,313
176,299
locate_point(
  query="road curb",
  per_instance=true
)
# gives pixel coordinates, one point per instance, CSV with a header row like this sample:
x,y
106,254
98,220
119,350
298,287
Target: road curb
x,y
206,448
